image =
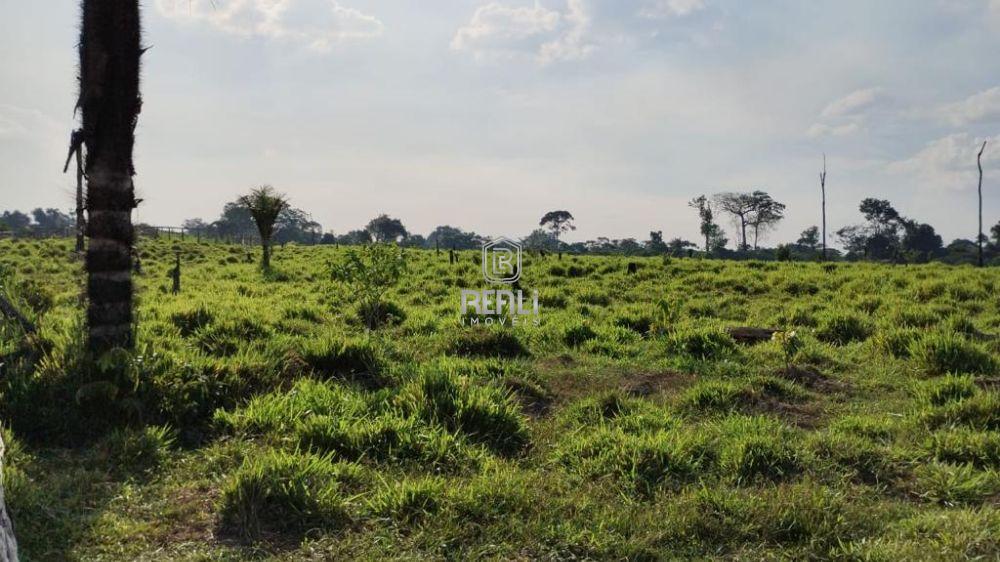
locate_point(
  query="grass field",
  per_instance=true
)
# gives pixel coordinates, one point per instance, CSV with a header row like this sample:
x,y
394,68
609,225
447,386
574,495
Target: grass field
x,y
259,419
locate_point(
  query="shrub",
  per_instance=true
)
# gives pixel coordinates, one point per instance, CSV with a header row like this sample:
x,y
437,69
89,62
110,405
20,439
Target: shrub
x,y
280,492
948,353
369,272
842,328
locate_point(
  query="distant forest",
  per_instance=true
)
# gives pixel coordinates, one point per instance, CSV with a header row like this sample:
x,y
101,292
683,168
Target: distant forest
x,y
883,235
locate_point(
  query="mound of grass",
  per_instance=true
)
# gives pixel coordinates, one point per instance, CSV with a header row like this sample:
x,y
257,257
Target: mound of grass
x,y
730,396
280,492
981,411
963,445
408,500
483,413
137,451
577,334
952,484
950,388
487,342
386,438
758,448
642,463
332,357
191,320
842,328
703,343
940,353
865,461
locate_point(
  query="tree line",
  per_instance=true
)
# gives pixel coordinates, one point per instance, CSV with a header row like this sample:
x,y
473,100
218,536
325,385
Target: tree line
x,y
884,234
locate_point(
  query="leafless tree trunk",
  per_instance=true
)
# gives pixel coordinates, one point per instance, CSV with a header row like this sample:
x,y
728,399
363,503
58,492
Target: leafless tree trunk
x,y
822,187
109,103
979,239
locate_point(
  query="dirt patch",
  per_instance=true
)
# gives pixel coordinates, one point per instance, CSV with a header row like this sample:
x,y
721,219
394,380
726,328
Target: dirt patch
x,y
812,379
535,402
649,384
805,416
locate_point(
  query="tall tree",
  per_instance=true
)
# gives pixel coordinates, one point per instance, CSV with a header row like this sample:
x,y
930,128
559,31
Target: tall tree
x,y
764,215
557,223
822,188
714,238
810,239
739,206
265,205
384,228
109,103
979,239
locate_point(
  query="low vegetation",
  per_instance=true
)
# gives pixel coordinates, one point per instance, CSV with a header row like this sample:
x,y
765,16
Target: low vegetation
x,y
265,415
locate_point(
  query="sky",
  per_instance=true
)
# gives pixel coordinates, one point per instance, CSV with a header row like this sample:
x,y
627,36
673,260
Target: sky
x,y
486,114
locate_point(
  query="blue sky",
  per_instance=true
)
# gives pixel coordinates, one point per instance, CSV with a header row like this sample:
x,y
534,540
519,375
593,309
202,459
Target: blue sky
x,y
484,115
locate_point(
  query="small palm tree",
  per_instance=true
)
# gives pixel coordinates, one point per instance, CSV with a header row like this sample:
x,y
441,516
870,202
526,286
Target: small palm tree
x,y
265,204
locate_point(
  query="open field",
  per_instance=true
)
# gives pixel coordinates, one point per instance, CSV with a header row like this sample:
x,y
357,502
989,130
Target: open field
x,y
259,419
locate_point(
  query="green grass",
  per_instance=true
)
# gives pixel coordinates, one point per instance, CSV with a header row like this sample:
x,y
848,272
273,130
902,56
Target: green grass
x,y
259,419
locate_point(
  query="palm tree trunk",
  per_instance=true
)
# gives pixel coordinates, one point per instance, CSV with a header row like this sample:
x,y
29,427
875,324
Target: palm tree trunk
x,y
265,260
109,103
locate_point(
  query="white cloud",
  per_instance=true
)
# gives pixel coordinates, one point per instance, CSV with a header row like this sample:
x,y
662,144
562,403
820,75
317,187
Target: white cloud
x,y
317,24
671,8
949,162
847,115
983,107
853,103
546,35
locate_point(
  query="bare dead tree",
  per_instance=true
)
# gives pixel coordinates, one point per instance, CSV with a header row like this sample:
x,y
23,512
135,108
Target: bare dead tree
x,y
979,239
822,187
76,149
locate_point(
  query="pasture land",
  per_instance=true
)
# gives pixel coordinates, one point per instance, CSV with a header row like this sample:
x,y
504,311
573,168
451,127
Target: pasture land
x,y
259,419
